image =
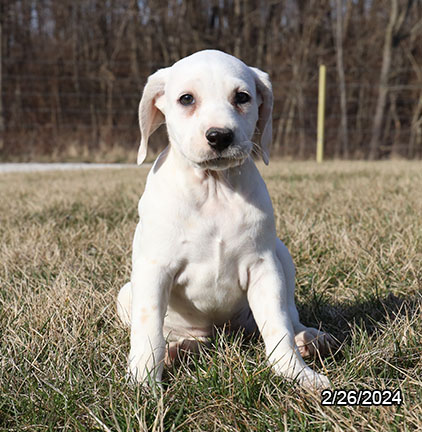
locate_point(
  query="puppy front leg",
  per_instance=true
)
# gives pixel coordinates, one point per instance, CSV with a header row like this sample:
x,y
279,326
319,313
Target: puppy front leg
x,y
150,292
309,340
267,296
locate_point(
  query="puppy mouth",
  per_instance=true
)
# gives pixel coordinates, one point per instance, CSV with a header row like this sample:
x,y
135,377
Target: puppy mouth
x,y
228,159
222,162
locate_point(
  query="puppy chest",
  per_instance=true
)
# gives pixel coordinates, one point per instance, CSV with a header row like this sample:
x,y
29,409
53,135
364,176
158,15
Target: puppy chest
x,y
219,241
218,248
223,231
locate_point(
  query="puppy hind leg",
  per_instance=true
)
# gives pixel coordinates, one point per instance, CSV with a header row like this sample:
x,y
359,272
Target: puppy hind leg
x,y
177,350
124,304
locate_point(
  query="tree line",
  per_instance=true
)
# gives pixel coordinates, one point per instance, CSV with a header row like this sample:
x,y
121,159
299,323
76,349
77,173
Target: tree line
x,y
72,72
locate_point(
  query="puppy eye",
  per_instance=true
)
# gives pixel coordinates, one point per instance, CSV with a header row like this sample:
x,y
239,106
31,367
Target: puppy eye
x,y
241,98
186,99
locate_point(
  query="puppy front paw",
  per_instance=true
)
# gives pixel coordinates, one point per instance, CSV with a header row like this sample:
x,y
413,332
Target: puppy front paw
x,y
311,341
145,368
312,380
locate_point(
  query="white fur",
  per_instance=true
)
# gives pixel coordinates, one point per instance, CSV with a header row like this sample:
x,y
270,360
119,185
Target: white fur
x,y
205,251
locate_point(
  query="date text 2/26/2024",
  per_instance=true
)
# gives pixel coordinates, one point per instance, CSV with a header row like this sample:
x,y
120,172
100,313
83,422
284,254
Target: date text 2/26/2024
x,y
361,397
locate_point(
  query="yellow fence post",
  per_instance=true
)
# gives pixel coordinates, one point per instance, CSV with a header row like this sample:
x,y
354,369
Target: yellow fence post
x,y
321,114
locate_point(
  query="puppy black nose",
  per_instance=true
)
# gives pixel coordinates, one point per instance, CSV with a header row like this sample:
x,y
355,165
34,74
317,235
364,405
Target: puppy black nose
x,y
219,138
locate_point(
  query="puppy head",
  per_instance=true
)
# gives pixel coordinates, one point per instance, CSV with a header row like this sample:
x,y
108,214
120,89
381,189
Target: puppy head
x,y
212,103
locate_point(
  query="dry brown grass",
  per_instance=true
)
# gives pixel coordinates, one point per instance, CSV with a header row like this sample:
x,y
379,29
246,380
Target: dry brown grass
x,y
355,232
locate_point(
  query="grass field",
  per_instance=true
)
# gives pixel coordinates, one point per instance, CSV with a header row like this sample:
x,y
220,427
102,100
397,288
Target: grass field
x,y
355,233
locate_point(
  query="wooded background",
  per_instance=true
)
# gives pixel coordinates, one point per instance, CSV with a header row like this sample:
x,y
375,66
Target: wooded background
x,y
72,71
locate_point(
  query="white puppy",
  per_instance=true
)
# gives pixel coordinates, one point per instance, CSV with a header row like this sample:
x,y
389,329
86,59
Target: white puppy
x,y
205,251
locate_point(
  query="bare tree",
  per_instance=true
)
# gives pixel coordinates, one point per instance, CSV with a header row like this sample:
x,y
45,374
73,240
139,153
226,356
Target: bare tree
x,y
344,141
1,82
392,34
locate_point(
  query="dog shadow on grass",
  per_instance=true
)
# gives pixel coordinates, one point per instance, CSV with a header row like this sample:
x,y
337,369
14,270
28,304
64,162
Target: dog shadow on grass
x,y
381,329
369,316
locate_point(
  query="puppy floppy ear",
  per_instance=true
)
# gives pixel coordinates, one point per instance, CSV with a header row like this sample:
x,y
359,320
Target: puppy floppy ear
x,y
151,109
265,124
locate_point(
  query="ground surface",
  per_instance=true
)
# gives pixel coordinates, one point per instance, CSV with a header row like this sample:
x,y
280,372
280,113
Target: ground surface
x,y
35,167
355,233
